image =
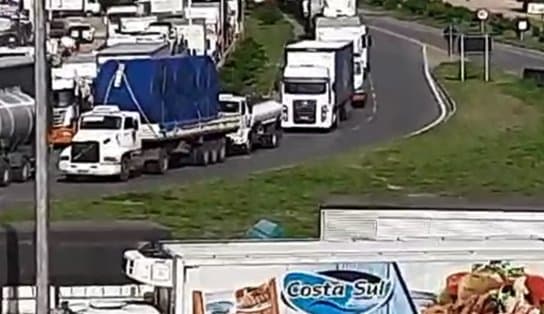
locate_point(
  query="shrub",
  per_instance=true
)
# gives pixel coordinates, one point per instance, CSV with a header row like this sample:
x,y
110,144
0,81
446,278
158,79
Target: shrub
x,y
415,6
238,75
535,31
268,13
391,4
436,9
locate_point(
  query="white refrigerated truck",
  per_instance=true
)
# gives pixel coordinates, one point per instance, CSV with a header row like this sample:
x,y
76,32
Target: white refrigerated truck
x,y
352,29
409,276
317,84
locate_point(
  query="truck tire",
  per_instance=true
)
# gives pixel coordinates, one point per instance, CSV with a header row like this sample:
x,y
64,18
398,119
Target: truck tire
x,y
124,175
202,156
222,156
272,140
159,166
23,173
343,112
214,154
5,174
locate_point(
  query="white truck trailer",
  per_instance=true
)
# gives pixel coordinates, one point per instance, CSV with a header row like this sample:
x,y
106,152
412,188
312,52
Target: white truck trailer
x,y
409,276
74,7
260,124
349,28
317,84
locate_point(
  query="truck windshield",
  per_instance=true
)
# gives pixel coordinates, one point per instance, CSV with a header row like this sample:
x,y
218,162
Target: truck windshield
x,y
100,123
307,88
63,98
229,106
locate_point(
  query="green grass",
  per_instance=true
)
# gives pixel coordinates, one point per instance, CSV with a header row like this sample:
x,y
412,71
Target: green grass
x,y
273,38
494,145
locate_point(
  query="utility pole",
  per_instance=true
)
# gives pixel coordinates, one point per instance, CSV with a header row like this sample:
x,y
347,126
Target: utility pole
x,y
42,158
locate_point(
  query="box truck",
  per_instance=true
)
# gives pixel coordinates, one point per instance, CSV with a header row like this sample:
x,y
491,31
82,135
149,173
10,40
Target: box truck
x,y
408,276
352,29
317,84
149,113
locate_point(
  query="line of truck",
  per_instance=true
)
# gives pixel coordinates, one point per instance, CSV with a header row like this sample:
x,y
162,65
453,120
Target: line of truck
x,y
146,116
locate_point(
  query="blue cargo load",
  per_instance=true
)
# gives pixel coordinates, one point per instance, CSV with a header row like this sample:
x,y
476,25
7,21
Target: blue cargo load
x,y
173,92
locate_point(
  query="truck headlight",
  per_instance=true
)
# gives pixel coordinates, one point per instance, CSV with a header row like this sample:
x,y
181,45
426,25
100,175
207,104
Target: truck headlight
x,y
111,159
324,111
284,111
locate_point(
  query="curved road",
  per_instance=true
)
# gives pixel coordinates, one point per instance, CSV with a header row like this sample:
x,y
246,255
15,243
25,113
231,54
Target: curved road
x,y
404,104
508,58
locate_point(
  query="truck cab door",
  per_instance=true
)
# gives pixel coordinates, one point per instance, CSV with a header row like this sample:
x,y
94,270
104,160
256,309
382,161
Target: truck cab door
x,y
128,137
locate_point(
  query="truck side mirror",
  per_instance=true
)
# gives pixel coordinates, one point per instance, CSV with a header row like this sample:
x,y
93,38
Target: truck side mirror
x,y
369,41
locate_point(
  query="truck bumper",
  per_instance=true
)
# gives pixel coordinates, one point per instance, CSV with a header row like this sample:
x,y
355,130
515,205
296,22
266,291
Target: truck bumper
x,y
60,137
92,170
359,98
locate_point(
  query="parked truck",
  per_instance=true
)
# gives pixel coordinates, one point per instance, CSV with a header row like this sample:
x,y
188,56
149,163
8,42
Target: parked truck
x,y
317,84
16,119
16,136
71,88
260,125
349,28
409,276
149,113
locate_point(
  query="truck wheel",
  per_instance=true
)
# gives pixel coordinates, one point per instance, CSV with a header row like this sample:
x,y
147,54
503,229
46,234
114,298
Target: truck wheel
x,y
125,169
214,155
272,140
202,156
222,152
23,173
343,113
5,174
335,121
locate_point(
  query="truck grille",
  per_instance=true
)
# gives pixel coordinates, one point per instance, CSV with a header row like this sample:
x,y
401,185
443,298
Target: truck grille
x,y
85,152
304,111
58,118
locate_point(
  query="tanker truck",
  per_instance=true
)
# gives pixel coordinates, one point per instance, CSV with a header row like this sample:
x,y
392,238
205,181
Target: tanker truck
x,y
16,136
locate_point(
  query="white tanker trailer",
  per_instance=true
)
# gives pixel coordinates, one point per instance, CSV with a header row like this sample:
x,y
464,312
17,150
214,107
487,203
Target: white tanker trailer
x,y
16,136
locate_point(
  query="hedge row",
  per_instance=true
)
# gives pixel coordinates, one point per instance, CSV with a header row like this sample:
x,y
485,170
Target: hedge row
x,y
240,72
445,13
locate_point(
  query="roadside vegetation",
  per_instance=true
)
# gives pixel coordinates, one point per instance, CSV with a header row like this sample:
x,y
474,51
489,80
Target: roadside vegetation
x,y
493,146
440,14
254,65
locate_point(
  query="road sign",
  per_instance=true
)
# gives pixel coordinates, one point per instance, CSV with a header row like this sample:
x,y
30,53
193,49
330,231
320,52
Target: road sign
x,y
482,14
522,24
475,44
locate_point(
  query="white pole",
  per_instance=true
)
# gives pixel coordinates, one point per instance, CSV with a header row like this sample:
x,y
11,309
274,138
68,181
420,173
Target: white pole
x,y
486,57
462,44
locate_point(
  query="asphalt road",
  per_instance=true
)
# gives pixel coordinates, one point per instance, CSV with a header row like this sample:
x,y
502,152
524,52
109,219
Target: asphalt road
x,y
404,104
506,57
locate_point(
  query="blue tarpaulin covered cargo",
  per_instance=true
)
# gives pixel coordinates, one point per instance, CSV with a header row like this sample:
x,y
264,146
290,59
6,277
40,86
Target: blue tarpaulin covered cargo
x,y
171,91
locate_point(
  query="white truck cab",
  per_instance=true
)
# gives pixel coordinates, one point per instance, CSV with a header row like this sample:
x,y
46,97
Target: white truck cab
x,y
317,84
259,124
106,136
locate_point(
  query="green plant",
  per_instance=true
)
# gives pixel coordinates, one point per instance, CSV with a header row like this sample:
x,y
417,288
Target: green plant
x,y
268,13
240,72
391,4
436,9
535,31
415,6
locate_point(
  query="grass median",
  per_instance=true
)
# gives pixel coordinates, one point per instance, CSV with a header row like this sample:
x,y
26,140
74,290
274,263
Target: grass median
x,y
494,144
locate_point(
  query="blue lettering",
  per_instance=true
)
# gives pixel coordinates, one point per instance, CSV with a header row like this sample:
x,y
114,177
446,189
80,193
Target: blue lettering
x,y
297,289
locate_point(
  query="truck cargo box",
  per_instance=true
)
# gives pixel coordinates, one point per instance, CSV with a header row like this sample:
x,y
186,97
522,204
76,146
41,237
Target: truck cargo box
x,y
173,92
